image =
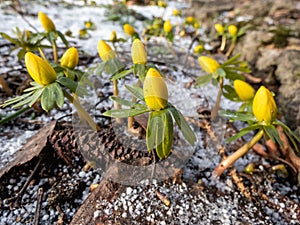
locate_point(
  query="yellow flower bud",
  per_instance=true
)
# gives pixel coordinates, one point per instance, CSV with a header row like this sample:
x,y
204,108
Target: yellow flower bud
x,y
113,36
46,22
70,58
88,24
167,26
189,20
208,64
196,25
155,90
176,12
39,69
128,29
264,107
105,51
244,90
219,28
198,49
232,29
138,52
162,4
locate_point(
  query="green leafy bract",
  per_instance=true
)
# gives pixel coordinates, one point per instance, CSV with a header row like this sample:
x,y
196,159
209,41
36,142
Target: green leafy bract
x,y
160,133
187,132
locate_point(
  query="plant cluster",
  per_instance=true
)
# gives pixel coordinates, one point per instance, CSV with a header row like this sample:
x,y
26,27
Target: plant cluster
x,y
57,79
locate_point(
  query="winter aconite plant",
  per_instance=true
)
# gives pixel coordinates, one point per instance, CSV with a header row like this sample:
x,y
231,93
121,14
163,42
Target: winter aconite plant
x,y
51,86
153,99
262,118
232,70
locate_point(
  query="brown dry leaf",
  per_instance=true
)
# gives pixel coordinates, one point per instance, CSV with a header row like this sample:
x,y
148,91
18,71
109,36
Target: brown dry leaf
x,y
31,149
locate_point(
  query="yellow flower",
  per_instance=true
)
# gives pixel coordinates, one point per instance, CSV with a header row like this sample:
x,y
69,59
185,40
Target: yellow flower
x,y
176,12
232,29
264,106
198,49
196,25
128,29
155,90
70,58
138,52
105,51
113,36
189,20
162,4
88,24
39,69
244,90
208,64
167,26
46,22
219,28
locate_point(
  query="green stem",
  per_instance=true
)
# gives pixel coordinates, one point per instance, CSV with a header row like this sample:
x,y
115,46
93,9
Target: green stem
x,y
82,112
14,115
237,154
215,110
116,94
54,48
131,118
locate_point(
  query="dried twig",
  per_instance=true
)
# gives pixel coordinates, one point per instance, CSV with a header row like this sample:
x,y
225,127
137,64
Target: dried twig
x,y
38,206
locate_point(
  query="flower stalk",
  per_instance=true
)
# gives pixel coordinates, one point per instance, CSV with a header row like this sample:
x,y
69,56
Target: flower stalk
x,y
82,113
237,154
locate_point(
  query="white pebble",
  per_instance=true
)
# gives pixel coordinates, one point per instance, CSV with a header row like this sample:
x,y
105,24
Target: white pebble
x,y
81,174
45,217
128,190
124,215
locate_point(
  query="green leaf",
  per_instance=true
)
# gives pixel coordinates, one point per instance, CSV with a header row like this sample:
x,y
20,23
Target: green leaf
x,y
136,91
48,98
203,80
35,86
233,115
221,72
273,134
62,37
229,92
9,38
233,75
30,100
120,75
232,60
125,113
187,132
139,70
288,130
16,99
114,66
58,95
244,131
167,133
72,85
124,102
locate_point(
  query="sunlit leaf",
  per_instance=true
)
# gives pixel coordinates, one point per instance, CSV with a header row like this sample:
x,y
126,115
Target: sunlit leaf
x,y
124,113
273,134
31,99
136,91
233,115
203,80
244,131
121,75
184,127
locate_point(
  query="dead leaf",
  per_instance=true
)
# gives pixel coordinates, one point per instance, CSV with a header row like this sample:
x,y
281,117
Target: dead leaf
x,y
31,149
